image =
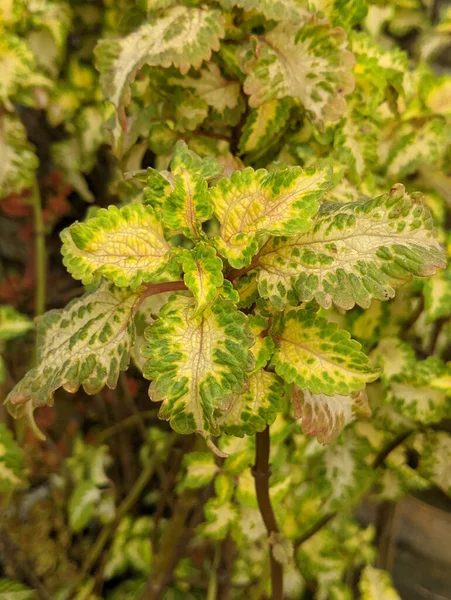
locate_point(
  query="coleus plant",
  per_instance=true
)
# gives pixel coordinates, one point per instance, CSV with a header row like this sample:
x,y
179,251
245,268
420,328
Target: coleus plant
x,y
272,225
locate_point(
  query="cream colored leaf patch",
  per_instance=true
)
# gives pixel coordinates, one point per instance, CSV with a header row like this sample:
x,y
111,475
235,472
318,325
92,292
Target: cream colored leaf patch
x,y
253,203
318,356
306,60
354,252
195,360
324,417
85,344
125,245
182,36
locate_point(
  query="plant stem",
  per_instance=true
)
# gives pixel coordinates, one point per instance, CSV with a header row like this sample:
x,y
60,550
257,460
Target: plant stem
x,y
127,422
186,516
261,474
212,592
40,254
125,506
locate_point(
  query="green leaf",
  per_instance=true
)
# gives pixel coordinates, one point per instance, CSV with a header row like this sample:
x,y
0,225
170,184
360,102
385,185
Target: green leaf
x,y
203,273
279,10
353,253
201,468
257,407
12,323
87,343
376,584
12,590
195,360
324,417
305,60
125,245
263,124
82,505
19,161
437,295
253,203
12,464
318,356
182,37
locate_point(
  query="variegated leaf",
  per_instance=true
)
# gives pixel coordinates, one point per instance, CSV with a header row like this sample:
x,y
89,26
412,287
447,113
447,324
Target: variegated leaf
x,y
12,464
318,356
412,394
353,253
19,161
203,273
125,245
376,584
182,36
212,87
435,461
195,360
413,147
253,203
263,124
201,468
263,348
305,60
437,295
254,409
87,343
324,417
12,323
16,64
278,10
356,145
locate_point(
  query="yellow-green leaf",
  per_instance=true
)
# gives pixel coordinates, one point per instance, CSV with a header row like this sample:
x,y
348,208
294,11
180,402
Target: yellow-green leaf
x,y
195,360
353,253
203,273
318,356
254,409
125,245
376,584
252,204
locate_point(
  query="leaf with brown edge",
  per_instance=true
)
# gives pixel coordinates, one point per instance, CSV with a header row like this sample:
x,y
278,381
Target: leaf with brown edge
x,y
324,417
